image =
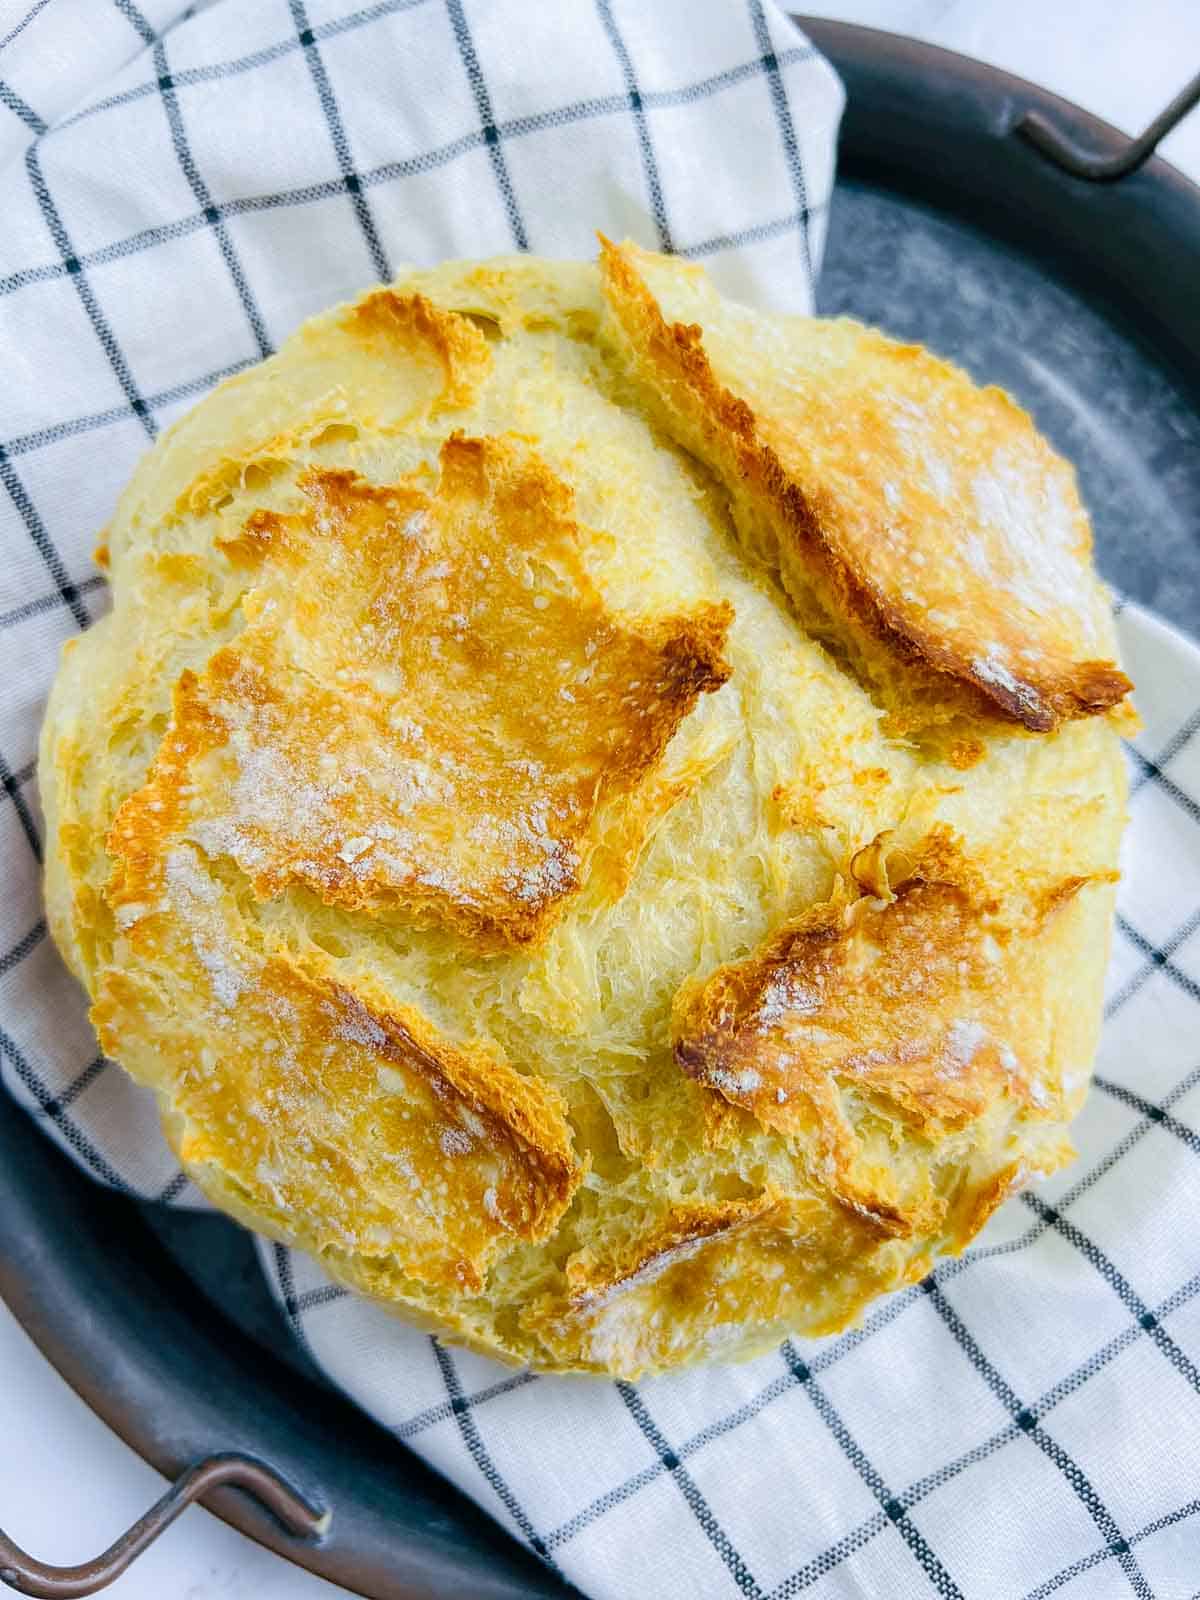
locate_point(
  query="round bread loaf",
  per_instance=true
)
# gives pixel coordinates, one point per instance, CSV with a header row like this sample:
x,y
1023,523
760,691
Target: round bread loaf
x,y
595,810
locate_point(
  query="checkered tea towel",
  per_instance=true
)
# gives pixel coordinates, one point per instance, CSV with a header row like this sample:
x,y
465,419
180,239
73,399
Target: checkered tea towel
x,y
178,189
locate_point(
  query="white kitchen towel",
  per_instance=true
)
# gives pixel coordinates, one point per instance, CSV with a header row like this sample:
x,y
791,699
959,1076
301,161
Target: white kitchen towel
x,y
1027,1421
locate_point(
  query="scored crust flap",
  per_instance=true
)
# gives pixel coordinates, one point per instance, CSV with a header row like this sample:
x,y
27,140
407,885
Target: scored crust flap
x,y
922,1016
428,701
592,1281
329,1114
381,365
920,525
709,1278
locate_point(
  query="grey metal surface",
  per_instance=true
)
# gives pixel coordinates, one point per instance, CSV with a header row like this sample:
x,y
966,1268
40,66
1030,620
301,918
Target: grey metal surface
x,y
220,1259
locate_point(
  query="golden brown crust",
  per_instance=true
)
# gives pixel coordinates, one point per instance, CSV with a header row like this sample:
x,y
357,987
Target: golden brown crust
x,y
383,364
428,702
884,997
725,1277
345,1119
592,1281
922,1008
386,318
917,511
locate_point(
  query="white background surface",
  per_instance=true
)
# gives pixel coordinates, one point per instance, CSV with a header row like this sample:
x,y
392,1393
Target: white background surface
x,y
67,1485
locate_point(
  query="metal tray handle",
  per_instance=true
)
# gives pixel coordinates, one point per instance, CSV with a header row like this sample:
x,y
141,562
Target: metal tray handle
x,y
21,1572
1060,148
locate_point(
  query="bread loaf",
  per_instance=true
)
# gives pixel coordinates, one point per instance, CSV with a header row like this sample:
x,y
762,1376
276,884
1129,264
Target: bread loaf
x,y
595,810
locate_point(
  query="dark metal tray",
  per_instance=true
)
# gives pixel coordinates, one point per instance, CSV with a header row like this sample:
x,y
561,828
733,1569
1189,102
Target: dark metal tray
x,y
947,227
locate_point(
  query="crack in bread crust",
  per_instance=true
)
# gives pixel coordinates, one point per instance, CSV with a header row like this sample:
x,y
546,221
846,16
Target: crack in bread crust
x,y
962,549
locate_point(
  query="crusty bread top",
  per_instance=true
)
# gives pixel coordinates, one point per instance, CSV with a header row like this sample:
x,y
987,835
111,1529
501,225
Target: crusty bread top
x,y
927,519
505,825
427,702
923,1005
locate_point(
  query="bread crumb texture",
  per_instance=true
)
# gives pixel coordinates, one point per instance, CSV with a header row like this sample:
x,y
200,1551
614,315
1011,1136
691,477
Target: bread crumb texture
x,y
595,810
